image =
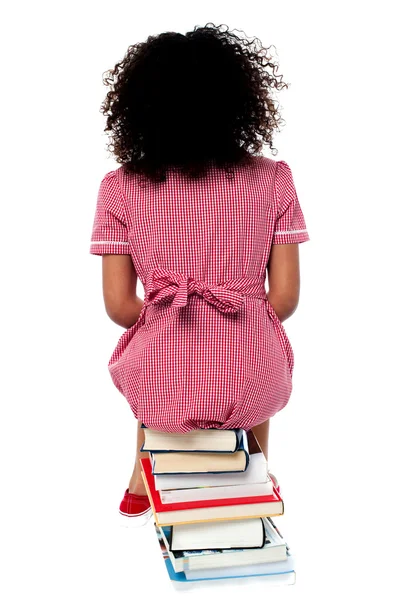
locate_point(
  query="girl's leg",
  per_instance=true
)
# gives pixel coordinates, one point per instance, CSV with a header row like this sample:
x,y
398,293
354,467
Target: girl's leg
x,y
261,433
136,484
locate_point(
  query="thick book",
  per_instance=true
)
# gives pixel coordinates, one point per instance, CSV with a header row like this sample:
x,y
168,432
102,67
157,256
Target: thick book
x,y
202,462
256,473
275,573
218,535
197,440
208,510
273,549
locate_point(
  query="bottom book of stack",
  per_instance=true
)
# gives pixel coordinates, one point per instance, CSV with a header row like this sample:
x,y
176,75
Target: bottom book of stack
x,y
179,571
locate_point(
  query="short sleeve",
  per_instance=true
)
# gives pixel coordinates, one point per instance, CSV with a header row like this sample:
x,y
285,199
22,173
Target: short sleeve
x,y
290,226
109,233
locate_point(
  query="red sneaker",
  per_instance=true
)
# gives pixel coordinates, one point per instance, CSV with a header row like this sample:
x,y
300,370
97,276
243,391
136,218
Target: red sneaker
x,y
135,510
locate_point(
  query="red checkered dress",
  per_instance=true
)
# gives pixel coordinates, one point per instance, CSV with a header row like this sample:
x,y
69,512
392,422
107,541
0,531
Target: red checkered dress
x,y
208,350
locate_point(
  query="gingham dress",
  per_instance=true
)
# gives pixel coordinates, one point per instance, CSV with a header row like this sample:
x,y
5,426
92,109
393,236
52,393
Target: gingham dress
x,y
208,349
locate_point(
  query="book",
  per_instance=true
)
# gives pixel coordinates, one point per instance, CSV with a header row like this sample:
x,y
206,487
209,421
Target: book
x,y
197,440
275,570
208,510
239,533
273,549
202,462
275,573
256,472
214,492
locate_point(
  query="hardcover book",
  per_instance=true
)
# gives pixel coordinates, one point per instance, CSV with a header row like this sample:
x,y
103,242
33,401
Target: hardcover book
x,y
202,462
273,549
275,573
217,535
197,440
208,510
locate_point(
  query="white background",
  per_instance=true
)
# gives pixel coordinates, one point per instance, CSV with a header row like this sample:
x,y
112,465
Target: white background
x,y
67,435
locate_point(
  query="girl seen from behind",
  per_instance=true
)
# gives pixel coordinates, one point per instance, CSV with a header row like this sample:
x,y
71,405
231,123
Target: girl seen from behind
x,y
202,218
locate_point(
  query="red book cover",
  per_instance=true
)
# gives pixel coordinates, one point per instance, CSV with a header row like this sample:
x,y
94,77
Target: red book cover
x,y
160,507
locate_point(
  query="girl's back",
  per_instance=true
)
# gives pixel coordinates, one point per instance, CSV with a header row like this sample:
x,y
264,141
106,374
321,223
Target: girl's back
x,y
208,349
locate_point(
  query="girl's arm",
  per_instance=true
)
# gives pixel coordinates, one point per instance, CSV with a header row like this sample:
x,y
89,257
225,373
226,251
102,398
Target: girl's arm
x,y
122,304
284,279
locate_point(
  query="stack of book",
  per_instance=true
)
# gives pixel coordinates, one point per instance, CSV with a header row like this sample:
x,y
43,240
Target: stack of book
x,y
213,502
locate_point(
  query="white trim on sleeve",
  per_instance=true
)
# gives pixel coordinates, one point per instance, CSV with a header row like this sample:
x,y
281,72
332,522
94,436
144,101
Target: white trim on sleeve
x,y
101,242
290,231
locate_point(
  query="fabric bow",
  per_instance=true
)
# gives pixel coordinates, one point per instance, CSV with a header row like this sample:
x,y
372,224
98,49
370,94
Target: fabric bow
x,y
164,285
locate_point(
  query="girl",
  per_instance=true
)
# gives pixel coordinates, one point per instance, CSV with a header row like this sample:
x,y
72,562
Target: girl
x,y
200,218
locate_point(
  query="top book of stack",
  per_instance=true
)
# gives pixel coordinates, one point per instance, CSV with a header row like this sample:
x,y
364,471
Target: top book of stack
x,y
198,451
197,440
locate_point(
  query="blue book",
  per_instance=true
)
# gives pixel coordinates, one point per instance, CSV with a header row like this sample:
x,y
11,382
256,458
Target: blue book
x,y
196,440
179,463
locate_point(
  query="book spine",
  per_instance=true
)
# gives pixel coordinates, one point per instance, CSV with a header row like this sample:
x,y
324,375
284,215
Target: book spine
x,y
264,532
245,448
239,434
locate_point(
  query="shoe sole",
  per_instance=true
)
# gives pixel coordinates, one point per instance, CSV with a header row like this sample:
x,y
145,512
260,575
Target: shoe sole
x,y
132,521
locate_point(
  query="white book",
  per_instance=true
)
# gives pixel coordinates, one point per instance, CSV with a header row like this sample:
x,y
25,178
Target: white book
x,y
275,568
216,492
274,549
237,533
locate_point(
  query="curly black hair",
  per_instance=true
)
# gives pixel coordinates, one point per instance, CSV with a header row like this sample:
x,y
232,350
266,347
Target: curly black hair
x,y
191,101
